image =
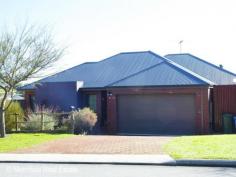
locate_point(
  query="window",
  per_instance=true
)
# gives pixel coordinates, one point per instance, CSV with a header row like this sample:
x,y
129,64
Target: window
x,y
92,102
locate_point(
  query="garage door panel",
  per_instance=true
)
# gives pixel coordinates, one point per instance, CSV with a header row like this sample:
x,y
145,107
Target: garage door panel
x,y
165,114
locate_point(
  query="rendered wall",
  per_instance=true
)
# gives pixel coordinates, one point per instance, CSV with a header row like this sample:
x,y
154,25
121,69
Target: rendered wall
x,y
59,95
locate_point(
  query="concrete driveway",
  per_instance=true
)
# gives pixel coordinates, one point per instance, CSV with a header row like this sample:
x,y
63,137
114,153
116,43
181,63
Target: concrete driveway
x,y
103,145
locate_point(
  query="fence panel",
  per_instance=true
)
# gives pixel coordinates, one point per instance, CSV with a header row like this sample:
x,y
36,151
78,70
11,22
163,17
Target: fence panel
x,y
224,100
43,122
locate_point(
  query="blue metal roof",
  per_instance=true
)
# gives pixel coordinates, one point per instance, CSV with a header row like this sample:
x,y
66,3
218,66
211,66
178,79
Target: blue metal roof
x,y
102,73
203,68
162,74
128,69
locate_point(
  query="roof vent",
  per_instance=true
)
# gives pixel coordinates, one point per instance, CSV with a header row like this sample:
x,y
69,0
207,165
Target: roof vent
x,y
221,66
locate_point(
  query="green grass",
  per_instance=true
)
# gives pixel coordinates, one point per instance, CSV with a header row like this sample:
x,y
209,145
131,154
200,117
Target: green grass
x,y
203,147
24,140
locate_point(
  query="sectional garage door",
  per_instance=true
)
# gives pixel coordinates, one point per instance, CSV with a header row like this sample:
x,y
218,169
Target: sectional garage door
x,y
156,114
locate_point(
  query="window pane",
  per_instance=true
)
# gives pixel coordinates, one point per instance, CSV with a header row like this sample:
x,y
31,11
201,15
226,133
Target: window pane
x,y
92,102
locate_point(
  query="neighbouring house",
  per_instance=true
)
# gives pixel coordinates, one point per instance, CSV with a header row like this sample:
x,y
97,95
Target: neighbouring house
x,y
137,92
15,97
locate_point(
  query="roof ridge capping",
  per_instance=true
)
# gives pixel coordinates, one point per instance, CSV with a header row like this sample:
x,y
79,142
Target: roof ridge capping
x,y
70,68
144,51
202,60
184,69
134,74
169,62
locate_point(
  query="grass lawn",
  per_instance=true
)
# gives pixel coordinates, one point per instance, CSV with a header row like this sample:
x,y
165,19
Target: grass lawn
x,y
23,140
203,147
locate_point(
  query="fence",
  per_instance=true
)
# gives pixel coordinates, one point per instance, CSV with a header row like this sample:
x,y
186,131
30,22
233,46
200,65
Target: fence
x,y
43,122
224,97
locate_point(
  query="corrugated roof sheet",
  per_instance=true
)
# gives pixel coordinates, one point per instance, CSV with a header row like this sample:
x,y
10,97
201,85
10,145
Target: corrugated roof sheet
x,y
128,69
205,69
102,73
163,74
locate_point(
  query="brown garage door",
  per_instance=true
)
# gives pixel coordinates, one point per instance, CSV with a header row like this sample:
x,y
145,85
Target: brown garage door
x,y
156,114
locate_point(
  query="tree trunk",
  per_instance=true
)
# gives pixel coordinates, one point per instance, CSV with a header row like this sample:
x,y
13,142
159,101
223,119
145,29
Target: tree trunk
x,y
2,123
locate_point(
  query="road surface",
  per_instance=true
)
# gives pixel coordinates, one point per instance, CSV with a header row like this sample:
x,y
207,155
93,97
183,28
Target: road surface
x,y
87,170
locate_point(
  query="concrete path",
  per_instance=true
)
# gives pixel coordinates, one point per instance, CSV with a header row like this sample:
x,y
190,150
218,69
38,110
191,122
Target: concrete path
x,y
102,145
87,159
117,159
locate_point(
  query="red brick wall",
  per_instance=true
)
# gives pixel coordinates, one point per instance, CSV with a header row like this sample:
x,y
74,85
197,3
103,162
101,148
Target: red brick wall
x,y
201,103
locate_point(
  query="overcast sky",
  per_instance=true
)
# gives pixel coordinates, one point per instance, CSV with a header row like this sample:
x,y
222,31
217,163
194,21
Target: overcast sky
x,y
96,29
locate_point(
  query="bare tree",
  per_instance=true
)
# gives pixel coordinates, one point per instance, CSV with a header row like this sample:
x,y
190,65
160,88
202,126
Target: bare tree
x,y
23,54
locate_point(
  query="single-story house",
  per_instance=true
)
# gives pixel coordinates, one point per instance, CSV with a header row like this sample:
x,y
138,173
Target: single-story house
x,y
137,92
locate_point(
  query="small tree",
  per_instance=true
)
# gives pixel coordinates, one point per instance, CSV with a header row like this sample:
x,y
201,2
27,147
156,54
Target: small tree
x,y
14,108
23,54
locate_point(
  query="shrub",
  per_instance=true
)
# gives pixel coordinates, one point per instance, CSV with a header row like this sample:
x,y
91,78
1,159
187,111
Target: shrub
x,y
33,122
49,122
44,109
62,129
64,126
85,120
14,108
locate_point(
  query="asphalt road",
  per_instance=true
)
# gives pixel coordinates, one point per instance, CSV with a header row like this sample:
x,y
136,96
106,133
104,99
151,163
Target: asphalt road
x,y
83,170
